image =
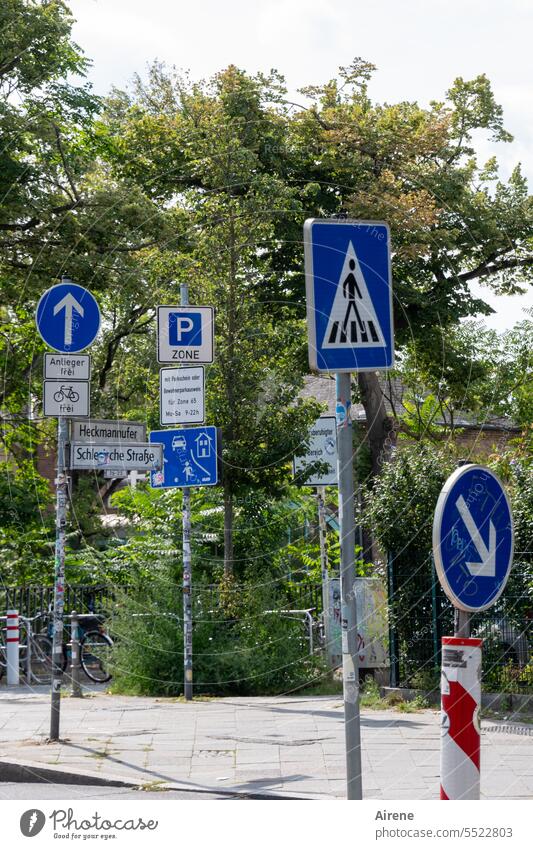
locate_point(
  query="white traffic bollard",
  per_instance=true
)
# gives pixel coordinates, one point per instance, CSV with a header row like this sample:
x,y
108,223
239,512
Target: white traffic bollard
x,y
12,648
460,732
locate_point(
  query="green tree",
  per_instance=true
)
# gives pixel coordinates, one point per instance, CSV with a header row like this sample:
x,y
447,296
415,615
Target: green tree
x,y
452,220
213,161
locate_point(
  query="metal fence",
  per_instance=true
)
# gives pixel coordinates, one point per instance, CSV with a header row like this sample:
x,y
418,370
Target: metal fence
x,y
86,598
420,615
31,600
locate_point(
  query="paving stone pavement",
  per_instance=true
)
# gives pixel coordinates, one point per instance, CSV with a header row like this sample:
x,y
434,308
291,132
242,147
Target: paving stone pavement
x,y
276,745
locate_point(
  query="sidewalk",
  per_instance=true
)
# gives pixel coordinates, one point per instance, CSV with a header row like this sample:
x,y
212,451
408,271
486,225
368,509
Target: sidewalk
x,y
278,746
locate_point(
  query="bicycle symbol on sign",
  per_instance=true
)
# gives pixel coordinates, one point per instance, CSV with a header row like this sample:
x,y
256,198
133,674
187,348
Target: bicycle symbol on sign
x,y
66,393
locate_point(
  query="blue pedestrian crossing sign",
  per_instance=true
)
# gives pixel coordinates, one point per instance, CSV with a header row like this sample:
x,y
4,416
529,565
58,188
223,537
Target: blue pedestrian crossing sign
x,y
473,538
68,317
190,457
349,295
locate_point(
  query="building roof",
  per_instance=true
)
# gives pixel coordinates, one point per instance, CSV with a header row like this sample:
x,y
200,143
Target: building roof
x,y
395,393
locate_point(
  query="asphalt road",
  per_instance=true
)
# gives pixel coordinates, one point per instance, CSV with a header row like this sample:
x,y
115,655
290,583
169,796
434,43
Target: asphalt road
x,y
69,792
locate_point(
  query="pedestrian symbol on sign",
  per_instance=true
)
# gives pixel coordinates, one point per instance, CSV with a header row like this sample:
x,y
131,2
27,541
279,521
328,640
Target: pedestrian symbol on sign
x,y
353,319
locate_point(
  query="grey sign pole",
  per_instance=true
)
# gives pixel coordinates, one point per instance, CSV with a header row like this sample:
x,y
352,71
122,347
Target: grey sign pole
x,y
320,495
461,623
59,576
187,569
350,663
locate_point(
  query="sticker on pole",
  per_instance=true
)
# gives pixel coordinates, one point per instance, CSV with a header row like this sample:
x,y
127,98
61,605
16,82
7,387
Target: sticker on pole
x,y
473,538
349,295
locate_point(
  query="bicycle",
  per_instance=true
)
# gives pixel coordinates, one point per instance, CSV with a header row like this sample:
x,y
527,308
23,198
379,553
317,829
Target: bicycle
x,y
95,647
66,393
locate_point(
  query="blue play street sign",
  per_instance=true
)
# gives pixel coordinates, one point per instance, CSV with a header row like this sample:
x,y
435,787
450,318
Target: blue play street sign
x,y
68,317
349,295
189,457
473,538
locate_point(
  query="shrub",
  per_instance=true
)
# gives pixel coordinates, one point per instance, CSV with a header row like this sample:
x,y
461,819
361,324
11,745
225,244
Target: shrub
x,y
247,651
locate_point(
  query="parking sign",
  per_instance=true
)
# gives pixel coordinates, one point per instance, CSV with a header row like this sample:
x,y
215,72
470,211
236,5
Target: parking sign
x,y
185,335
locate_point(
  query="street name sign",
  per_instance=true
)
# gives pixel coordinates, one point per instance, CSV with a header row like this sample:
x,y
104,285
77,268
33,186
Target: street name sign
x,y
66,398
349,295
142,456
190,457
112,431
182,395
322,449
473,538
185,335
67,317
67,366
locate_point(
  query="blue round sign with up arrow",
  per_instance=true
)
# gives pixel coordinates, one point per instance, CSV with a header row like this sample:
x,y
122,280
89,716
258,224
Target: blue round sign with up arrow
x,y
473,538
68,318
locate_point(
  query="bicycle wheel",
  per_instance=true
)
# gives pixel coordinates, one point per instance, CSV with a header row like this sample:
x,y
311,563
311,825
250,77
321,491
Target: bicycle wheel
x,y
95,656
59,396
41,659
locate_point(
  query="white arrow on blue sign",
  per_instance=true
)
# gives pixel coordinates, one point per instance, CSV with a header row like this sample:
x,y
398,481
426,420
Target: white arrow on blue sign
x,y
189,457
68,317
349,295
473,538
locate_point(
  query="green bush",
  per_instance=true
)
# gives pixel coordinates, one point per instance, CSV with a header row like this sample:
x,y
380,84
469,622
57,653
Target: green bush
x,y
239,647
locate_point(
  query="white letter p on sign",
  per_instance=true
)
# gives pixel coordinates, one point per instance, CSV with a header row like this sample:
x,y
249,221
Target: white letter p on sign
x,y
184,324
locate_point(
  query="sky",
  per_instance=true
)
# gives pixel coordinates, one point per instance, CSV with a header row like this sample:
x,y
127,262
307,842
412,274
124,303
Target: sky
x,y
418,46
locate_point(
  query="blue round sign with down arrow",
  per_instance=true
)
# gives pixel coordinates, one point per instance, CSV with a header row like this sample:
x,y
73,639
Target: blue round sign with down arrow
x,y
473,538
68,317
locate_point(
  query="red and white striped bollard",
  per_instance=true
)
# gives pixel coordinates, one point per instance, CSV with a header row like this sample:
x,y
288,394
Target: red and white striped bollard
x,y
12,648
460,703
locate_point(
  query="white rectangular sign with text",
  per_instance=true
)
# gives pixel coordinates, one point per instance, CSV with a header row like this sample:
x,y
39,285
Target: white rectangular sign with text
x,y
66,397
182,395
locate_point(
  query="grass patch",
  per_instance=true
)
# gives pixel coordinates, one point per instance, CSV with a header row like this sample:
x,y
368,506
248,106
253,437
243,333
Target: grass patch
x,y
372,698
156,786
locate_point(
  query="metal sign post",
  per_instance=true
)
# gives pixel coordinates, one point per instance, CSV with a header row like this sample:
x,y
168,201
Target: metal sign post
x,y
349,316
473,551
68,320
326,612
185,336
59,577
187,569
350,660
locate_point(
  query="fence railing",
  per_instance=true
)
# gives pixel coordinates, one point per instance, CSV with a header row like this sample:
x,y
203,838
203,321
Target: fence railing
x,y
420,615
86,598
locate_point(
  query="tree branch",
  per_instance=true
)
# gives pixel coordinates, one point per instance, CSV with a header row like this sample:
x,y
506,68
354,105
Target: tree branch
x,y
66,169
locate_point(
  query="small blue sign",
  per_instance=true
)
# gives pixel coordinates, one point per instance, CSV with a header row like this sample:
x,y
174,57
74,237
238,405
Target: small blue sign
x,y
349,295
68,318
473,538
185,328
189,457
